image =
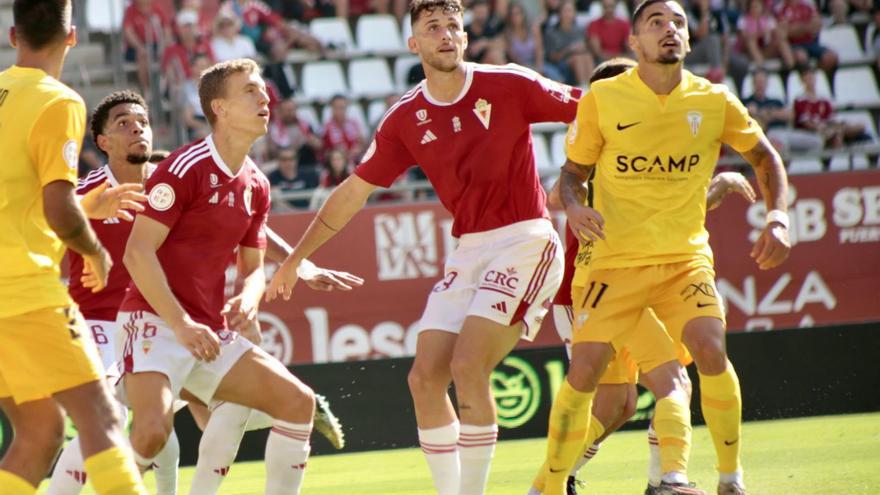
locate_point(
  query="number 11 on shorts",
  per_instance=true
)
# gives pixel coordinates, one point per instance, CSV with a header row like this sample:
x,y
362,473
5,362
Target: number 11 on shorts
x,y
602,287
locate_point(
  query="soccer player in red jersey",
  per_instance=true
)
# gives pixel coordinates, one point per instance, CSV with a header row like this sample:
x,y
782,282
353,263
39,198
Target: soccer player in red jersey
x,y
205,201
467,126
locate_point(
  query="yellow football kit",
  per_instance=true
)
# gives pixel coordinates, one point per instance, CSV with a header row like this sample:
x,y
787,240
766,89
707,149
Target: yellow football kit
x,y
654,157
42,345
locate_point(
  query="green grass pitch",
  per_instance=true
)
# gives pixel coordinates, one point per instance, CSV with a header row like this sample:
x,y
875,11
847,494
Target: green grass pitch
x,y
823,455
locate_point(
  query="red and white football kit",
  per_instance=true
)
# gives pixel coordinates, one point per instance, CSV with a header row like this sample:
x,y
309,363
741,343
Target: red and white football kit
x,y
477,152
100,308
210,212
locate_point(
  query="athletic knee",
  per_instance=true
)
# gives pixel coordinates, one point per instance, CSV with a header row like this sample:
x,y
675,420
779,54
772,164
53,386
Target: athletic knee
x,y
583,374
709,353
423,382
149,434
294,403
41,436
467,372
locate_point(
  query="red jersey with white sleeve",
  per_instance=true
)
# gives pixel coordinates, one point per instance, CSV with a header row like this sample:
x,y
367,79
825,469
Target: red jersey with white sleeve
x,y
476,151
210,212
113,234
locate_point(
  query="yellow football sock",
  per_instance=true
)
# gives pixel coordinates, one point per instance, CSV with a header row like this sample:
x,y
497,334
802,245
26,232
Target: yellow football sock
x,y
112,472
722,410
11,484
569,423
672,425
595,430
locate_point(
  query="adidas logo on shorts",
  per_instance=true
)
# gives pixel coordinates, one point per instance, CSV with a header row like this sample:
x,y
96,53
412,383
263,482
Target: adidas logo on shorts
x,y
500,306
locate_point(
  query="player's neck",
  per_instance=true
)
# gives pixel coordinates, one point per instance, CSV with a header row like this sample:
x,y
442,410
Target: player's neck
x,y
445,86
661,78
49,61
128,173
232,148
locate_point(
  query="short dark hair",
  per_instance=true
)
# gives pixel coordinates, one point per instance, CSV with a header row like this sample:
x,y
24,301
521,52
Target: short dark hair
x,y
38,23
639,12
102,111
418,7
611,68
212,83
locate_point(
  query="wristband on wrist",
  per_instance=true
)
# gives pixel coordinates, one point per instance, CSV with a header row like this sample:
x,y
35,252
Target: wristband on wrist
x,y
779,217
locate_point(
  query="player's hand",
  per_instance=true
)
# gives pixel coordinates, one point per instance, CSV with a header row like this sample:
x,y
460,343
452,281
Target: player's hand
x,y
284,279
585,222
96,270
239,313
251,331
327,280
772,247
726,183
199,340
113,202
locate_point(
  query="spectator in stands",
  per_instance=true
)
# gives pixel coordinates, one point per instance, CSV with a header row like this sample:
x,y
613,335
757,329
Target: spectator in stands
x,y
289,177
266,27
193,116
568,58
609,34
341,131
523,38
177,59
709,26
801,22
550,16
206,11
760,38
776,119
228,43
840,9
337,168
289,130
814,113
484,32
278,74
147,31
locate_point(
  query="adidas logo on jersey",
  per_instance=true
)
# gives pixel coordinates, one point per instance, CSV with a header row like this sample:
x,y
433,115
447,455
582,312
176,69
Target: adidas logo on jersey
x,y
109,221
428,137
500,306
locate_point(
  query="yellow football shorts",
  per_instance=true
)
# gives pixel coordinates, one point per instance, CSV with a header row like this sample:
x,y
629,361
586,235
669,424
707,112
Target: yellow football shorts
x,y
612,305
44,352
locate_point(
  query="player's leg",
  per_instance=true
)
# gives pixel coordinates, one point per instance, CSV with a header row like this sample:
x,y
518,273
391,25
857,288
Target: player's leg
x,y
480,347
438,425
695,318
218,446
60,362
39,431
281,395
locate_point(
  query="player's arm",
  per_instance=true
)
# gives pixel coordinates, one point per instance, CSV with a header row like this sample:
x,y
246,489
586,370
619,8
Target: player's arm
x,y
726,183
773,246
317,278
584,221
241,309
67,220
147,235
346,200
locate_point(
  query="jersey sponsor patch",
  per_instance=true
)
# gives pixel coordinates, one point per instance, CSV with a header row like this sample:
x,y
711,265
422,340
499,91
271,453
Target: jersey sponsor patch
x,y
70,152
162,197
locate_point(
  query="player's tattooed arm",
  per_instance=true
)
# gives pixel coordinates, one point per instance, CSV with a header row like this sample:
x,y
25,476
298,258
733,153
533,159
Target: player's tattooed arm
x,y
772,246
586,222
726,183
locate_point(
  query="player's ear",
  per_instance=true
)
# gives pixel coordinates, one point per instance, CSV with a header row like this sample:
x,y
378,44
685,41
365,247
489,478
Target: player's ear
x,y
633,43
102,143
464,41
70,39
413,45
217,107
12,37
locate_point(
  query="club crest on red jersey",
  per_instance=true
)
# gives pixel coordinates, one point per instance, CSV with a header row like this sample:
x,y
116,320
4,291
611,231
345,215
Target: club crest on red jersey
x,y
483,111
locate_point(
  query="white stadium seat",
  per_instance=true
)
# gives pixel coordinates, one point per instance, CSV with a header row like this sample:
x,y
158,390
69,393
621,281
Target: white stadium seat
x,y
841,162
104,15
795,86
321,80
375,111
405,28
402,65
860,117
804,165
308,114
731,85
844,40
370,77
333,30
775,88
378,33
856,86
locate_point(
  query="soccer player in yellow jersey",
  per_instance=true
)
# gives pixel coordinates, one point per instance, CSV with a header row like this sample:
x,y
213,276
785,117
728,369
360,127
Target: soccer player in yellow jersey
x,y
47,360
653,135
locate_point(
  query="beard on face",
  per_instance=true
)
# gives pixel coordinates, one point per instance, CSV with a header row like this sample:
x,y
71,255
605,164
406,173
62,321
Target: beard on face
x,y
440,64
138,158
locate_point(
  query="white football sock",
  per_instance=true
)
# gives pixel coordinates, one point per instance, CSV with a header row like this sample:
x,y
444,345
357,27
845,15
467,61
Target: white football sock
x,y
440,446
69,475
218,447
655,472
476,446
589,453
287,452
165,466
